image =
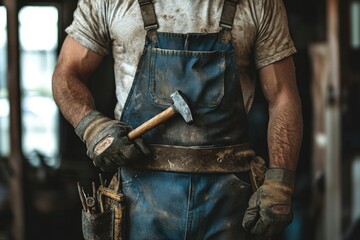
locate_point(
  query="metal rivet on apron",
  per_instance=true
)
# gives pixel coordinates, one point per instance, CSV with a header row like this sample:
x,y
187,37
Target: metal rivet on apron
x,y
155,157
219,160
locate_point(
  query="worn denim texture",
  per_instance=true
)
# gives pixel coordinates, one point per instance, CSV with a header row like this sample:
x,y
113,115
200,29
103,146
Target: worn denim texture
x,y
169,205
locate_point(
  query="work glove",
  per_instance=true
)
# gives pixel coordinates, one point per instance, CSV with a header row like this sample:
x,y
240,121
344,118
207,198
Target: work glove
x,y
269,210
107,143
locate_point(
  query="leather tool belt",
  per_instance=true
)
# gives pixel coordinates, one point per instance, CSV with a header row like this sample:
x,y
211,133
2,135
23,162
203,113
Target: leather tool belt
x,y
227,159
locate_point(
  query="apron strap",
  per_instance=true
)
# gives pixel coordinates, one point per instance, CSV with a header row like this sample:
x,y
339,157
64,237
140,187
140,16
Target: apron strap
x,y
148,15
227,20
228,13
150,22
149,18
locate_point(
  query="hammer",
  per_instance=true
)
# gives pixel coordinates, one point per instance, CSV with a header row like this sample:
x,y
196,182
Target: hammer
x,y
180,106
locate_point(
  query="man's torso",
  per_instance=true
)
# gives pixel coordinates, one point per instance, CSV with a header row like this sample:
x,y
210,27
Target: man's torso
x,y
260,34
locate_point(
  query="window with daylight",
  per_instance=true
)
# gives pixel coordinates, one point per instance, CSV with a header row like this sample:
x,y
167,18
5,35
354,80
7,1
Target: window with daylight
x,y
355,24
38,37
4,101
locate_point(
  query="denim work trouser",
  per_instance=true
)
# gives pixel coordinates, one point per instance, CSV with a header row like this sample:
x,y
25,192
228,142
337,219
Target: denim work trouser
x,y
169,205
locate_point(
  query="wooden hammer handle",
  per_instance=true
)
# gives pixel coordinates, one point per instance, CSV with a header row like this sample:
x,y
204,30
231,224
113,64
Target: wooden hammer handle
x,y
151,123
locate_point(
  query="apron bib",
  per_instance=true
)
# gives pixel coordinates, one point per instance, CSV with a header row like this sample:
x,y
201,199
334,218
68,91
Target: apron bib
x,y
203,67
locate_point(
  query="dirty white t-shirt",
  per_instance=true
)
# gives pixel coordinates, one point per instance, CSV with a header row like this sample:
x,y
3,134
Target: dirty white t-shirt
x,y
260,34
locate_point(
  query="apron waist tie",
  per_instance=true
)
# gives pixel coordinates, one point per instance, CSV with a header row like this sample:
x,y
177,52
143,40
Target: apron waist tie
x,y
227,159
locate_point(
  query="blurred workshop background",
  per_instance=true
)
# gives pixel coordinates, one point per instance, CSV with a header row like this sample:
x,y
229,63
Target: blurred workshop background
x,y
41,158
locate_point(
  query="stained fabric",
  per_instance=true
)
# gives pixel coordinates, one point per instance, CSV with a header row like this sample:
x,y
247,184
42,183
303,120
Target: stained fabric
x,y
260,34
204,70
168,205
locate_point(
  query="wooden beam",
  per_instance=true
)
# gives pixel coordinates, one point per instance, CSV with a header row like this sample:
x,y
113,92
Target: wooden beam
x,y
15,158
333,128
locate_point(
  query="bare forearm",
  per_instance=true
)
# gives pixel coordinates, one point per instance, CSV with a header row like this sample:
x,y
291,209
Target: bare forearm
x,y
285,132
72,96
75,65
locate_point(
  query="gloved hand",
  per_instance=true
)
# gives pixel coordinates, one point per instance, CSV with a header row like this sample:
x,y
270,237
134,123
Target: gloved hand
x,y
269,210
107,143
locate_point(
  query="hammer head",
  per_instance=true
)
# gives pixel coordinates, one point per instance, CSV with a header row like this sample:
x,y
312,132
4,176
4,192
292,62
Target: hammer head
x,y
181,106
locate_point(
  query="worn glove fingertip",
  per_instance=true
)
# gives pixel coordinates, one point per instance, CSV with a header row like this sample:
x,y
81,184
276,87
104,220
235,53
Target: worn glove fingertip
x,y
261,227
251,216
141,146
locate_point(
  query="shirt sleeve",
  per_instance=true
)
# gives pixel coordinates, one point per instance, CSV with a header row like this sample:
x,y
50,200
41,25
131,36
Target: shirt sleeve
x,y
273,38
89,26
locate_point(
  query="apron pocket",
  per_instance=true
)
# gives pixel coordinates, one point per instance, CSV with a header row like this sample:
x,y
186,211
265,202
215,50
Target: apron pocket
x,y
199,75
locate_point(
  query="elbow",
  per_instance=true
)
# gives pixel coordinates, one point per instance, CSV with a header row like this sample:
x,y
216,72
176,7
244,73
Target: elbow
x,y
289,102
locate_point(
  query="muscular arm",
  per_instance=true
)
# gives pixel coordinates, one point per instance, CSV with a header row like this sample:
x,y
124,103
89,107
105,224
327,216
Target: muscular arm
x,y
285,118
74,67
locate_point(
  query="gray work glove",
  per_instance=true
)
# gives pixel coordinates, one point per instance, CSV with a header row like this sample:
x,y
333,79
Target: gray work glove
x,y
107,143
269,210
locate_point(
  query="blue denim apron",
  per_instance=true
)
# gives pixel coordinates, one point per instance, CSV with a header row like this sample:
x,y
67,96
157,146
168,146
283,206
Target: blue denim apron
x,y
204,70
174,205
